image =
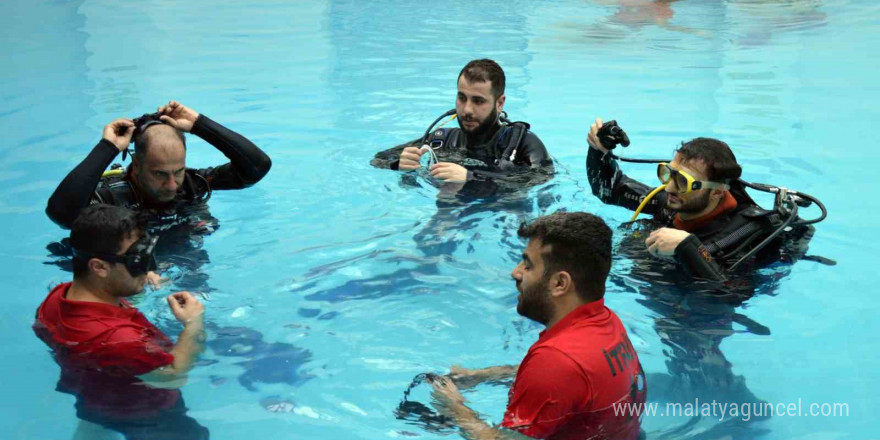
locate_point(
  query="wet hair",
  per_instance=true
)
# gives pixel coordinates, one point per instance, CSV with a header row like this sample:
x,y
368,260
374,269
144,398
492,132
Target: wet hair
x,y
580,244
101,229
720,162
143,136
484,70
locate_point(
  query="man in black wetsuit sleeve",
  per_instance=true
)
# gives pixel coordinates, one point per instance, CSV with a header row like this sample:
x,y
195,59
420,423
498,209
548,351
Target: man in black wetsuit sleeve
x,y
698,228
483,155
158,180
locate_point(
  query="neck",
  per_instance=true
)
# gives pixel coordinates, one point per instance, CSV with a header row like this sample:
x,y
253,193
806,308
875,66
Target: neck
x,y
85,290
694,215
562,310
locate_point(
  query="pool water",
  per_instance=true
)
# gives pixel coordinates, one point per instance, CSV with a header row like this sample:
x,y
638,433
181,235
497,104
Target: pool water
x,y
331,284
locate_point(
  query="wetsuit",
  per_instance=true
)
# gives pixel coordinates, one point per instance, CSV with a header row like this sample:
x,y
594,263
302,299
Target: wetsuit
x,y
715,242
490,170
84,185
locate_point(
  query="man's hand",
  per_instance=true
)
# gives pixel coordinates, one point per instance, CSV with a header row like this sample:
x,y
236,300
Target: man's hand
x,y
155,280
119,133
186,308
449,172
593,138
465,378
662,242
410,157
178,116
446,394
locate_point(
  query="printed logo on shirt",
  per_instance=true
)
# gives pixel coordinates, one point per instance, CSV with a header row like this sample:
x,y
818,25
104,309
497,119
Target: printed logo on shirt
x,y
620,356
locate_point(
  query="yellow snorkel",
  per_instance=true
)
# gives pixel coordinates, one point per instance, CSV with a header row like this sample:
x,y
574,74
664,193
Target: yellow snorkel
x,y
111,173
647,200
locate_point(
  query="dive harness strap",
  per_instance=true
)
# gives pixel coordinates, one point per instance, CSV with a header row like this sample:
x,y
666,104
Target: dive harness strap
x,y
518,132
746,233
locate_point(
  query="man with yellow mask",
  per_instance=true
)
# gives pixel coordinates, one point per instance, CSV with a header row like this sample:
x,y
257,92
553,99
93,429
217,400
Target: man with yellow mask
x,y
703,218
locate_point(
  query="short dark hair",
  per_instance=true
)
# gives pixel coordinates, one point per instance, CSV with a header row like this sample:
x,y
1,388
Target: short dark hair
x,y
483,70
580,244
101,229
720,162
142,140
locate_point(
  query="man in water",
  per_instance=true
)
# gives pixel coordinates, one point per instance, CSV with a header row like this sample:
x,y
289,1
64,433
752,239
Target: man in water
x,y
485,152
701,215
123,370
583,366
158,180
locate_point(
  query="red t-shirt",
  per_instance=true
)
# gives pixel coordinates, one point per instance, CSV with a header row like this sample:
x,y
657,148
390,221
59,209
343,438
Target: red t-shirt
x,y
570,380
101,349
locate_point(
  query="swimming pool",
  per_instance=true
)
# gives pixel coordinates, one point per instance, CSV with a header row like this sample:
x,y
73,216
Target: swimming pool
x,y
326,261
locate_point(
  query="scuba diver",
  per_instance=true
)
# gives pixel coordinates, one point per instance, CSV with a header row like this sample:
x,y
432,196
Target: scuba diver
x,y
487,153
158,183
158,180
703,217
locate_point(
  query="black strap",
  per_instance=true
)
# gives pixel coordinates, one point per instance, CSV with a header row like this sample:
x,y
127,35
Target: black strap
x,y
518,132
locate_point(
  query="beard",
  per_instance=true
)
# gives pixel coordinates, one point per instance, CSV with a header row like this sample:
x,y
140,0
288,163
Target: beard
x,y
131,286
535,303
692,205
483,130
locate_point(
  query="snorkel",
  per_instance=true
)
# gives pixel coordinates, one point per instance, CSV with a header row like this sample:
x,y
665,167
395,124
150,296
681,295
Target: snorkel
x,y
432,156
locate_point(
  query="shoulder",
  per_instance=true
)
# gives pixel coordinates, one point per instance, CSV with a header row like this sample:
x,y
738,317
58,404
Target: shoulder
x,y
198,181
544,358
114,191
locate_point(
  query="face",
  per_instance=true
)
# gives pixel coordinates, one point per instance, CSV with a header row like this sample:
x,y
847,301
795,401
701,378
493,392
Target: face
x,y
160,174
694,201
477,109
533,282
120,281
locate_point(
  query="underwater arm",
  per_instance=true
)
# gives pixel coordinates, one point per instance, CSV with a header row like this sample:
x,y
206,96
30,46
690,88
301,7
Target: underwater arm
x,y
190,343
449,401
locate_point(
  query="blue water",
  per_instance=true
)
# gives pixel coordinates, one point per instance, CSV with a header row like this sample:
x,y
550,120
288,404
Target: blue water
x,y
327,258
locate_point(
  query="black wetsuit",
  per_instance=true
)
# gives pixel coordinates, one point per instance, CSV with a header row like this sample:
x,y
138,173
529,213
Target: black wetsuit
x,y
488,172
713,247
84,185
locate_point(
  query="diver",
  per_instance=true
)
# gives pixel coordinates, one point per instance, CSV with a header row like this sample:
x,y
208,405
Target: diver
x,y
487,153
158,181
703,218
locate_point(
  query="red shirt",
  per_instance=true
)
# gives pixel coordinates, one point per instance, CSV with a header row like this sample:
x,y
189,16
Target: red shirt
x,y
569,381
101,349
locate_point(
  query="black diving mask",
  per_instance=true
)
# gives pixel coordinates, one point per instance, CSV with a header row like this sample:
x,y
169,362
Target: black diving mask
x,y
141,123
138,259
146,120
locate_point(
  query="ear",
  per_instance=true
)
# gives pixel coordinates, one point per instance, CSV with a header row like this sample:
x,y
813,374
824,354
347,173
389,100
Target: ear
x,y
499,103
718,193
100,268
560,284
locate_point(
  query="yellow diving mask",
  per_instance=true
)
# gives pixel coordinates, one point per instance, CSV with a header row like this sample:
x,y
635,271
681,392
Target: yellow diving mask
x,y
684,182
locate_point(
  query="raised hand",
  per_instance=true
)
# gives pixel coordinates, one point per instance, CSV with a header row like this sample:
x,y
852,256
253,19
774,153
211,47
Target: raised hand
x,y
119,132
178,116
186,308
